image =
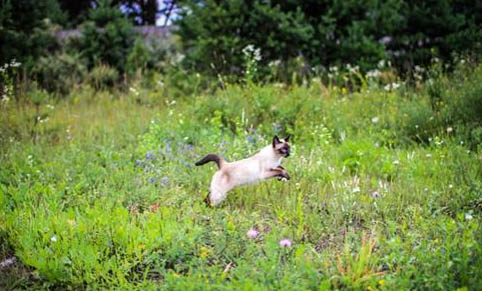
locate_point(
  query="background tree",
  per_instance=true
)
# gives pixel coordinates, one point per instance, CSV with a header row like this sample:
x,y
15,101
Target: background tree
x,y
107,37
24,28
327,32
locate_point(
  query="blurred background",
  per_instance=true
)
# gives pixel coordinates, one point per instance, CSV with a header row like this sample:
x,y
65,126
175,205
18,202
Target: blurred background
x,y
109,43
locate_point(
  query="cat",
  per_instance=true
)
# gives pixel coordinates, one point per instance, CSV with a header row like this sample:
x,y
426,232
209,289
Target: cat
x,y
266,164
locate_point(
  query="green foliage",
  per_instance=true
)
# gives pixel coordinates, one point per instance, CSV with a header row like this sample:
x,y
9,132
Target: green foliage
x,y
107,37
24,25
453,106
103,77
105,194
326,33
138,58
59,72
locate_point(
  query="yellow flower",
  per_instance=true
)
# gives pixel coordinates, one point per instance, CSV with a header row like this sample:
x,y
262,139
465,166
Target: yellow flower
x,y
381,282
369,288
204,252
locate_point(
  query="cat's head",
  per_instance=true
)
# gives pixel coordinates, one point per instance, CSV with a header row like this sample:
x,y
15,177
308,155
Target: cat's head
x,y
281,146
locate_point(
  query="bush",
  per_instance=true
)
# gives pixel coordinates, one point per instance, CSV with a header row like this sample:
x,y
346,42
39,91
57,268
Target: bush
x,y
107,37
59,72
24,26
103,76
138,57
452,105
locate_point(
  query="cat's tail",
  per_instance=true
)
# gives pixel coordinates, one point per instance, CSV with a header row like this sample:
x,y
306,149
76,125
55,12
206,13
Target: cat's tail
x,y
211,158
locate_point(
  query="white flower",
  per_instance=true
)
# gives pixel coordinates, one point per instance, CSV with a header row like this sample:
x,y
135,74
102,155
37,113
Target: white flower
x,y
468,216
375,119
375,194
428,155
53,239
449,129
385,40
373,74
14,64
356,189
381,64
396,162
451,186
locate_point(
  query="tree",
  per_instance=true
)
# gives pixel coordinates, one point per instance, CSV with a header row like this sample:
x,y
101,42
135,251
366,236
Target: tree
x,y
327,32
107,36
23,28
214,33
76,11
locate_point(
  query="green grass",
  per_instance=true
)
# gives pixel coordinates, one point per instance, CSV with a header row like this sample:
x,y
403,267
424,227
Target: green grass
x,y
103,194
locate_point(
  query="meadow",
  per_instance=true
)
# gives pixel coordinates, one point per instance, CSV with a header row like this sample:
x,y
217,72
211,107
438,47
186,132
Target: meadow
x,y
98,189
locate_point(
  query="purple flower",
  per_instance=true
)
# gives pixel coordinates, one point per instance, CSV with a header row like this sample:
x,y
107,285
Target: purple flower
x,y
149,156
251,139
164,181
285,243
252,233
152,180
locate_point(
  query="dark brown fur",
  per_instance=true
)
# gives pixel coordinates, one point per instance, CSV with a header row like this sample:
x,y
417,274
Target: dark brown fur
x,y
210,158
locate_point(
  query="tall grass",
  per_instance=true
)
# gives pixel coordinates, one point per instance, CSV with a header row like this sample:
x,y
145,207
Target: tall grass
x,y
99,190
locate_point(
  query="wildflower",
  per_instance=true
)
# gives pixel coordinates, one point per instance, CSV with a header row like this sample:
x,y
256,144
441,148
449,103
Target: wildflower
x,y
204,252
149,156
373,74
164,181
468,216
381,282
449,129
375,119
152,180
252,233
381,64
396,162
451,186
356,189
53,239
285,243
385,40
375,194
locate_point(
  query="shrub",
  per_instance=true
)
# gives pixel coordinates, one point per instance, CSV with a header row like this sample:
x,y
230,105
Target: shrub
x,y
59,72
107,37
103,76
138,57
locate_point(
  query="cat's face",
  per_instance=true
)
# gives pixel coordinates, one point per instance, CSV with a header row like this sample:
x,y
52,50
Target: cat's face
x,y
281,146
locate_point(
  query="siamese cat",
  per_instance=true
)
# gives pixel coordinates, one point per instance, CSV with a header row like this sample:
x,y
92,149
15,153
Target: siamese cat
x,y
266,164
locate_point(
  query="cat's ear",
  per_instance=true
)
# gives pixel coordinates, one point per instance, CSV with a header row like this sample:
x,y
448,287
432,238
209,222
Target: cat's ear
x,y
276,140
287,139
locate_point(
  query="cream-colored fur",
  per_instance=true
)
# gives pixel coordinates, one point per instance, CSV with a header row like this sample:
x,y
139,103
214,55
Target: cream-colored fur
x,y
264,165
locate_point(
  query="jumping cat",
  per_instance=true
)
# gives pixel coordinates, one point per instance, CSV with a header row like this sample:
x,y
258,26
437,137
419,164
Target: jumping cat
x,y
266,164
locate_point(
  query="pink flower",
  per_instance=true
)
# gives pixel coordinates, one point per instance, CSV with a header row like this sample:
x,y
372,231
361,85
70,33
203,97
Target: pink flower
x,y
252,233
285,243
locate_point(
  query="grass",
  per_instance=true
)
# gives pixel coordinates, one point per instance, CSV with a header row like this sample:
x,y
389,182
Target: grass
x,y
102,193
